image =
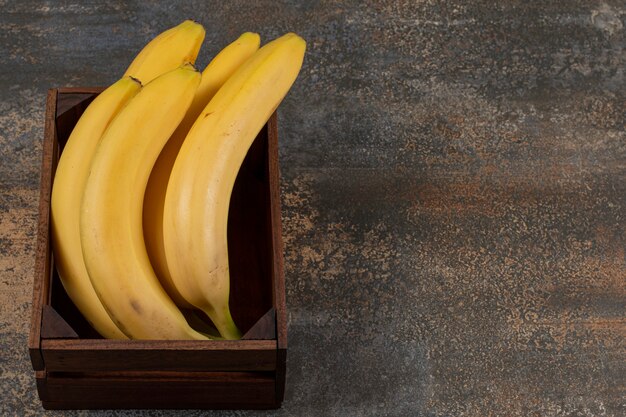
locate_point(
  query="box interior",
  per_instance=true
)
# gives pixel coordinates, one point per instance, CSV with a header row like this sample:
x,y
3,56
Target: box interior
x,y
249,235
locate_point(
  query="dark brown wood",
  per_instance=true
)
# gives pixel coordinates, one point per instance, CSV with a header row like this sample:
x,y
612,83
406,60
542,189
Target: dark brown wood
x,y
63,305
89,355
159,374
40,380
105,404
73,102
278,262
42,253
265,328
276,233
70,107
54,326
277,257
158,390
79,90
248,251
91,372
281,374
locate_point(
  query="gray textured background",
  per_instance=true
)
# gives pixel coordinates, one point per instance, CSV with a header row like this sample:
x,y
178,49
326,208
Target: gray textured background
x,y
453,188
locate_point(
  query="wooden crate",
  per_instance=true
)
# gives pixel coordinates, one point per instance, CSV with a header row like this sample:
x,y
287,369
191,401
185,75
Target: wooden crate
x,y
77,369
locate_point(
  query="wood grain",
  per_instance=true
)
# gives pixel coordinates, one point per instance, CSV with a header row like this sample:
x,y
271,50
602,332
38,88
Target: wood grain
x,y
157,390
89,355
276,244
42,253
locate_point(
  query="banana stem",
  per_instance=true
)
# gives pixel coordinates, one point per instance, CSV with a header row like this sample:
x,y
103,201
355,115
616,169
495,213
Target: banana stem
x,y
224,323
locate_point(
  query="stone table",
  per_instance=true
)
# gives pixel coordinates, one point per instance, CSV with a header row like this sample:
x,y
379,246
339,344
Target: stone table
x,y
453,189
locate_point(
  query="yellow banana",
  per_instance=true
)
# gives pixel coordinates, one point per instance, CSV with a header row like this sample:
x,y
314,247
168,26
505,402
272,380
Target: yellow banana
x,y
67,192
169,50
111,213
198,193
214,75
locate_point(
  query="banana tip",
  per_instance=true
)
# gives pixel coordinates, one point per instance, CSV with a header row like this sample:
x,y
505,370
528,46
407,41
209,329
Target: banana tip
x,y
293,35
193,25
250,35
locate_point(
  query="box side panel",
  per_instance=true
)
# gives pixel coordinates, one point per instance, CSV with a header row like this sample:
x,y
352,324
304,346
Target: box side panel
x,y
276,243
159,355
159,391
278,276
80,90
248,251
42,254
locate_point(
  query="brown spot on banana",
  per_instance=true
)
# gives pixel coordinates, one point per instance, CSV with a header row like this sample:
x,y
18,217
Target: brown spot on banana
x,y
136,306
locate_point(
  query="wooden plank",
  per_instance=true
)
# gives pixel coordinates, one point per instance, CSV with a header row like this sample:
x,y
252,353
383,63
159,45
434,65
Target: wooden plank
x,y
277,239
281,374
164,375
278,273
107,405
80,90
88,355
42,252
236,390
41,380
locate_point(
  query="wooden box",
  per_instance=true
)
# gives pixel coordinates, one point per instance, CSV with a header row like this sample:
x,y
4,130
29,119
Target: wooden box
x,y
77,369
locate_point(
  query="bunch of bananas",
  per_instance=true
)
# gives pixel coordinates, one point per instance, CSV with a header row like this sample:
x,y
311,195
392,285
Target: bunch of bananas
x,y
141,193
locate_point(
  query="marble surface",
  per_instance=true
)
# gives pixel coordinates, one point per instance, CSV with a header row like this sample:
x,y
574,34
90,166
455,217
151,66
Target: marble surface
x,y
453,189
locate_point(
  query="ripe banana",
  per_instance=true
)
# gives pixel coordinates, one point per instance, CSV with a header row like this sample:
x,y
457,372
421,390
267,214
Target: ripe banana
x,y
201,182
67,192
111,212
169,50
214,75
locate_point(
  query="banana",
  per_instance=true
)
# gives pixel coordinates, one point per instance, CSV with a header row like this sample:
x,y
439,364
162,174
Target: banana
x,y
67,191
198,193
168,51
214,75
111,212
